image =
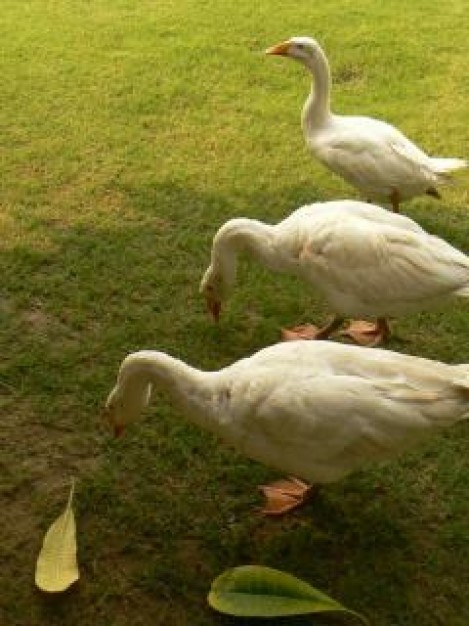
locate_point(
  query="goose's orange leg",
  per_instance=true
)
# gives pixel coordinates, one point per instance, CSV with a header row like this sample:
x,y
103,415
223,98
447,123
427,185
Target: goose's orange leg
x,y
395,200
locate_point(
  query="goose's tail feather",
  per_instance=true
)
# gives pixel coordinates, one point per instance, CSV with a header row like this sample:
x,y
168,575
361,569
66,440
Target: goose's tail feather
x,y
463,292
445,166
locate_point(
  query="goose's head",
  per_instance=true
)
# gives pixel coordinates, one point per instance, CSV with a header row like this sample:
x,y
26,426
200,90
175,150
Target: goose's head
x,y
215,290
304,49
124,405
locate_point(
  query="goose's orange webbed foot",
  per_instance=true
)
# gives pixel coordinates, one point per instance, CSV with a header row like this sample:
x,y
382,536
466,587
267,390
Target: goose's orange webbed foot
x,y
309,331
367,333
286,495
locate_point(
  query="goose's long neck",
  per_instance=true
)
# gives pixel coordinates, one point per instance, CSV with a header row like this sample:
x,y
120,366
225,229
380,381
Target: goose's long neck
x,y
192,390
238,236
316,109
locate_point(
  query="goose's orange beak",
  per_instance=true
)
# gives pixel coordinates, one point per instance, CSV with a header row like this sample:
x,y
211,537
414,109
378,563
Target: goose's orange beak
x,y
279,49
214,308
117,429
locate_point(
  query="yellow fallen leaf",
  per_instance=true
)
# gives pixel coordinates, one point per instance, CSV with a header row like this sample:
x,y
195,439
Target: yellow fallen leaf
x,y
57,567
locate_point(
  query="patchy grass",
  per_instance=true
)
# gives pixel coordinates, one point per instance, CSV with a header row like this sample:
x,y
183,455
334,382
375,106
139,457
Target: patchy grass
x,y
131,132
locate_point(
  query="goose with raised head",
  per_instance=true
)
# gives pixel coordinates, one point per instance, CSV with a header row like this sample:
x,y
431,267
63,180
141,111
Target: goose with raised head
x,y
365,260
373,156
317,410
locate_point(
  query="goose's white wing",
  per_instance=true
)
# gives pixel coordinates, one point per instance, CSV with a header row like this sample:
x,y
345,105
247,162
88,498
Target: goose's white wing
x,y
373,156
381,268
323,427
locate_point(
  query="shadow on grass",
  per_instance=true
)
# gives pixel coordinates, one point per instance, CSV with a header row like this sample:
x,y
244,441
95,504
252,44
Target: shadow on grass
x,y
71,312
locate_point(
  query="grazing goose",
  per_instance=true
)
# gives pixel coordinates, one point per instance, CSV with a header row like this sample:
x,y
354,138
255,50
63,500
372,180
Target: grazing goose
x,y
371,155
365,260
318,410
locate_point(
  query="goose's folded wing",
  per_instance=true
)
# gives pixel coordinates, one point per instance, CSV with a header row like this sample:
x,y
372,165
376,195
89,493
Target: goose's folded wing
x,y
379,260
337,423
386,158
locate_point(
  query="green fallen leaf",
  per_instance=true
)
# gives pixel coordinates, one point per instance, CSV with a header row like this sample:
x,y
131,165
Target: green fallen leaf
x,y
256,591
57,567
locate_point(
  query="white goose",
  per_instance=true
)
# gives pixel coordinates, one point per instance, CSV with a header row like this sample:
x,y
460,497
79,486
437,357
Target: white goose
x,y
371,155
318,410
365,260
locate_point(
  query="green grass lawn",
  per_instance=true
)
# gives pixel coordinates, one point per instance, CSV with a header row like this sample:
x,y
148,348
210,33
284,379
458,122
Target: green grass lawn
x,y
131,131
